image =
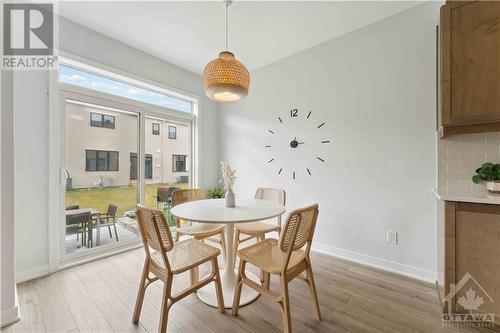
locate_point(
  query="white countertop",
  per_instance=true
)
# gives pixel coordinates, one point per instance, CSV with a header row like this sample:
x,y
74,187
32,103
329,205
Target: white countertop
x,y
484,198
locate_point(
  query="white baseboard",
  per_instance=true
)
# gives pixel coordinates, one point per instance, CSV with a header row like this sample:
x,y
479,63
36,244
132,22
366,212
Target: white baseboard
x,y
380,263
32,273
10,315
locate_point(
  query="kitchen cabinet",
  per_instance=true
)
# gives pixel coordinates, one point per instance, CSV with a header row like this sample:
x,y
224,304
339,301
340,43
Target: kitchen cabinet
x,y
471,246
469,67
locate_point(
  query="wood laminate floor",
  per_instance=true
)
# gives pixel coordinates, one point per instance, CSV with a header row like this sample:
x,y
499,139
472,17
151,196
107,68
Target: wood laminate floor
x,y
100,297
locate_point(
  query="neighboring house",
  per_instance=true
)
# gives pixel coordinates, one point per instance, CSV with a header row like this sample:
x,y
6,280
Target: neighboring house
x,y
101,148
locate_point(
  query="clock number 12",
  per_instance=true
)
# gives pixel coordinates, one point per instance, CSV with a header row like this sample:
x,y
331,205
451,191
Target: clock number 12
x,y
294,113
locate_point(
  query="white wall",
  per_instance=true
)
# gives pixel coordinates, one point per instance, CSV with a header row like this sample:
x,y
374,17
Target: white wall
x,y
375,89
31,133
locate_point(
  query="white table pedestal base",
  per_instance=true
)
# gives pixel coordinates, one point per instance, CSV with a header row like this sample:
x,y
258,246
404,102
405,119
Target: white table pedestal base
x,y
228,280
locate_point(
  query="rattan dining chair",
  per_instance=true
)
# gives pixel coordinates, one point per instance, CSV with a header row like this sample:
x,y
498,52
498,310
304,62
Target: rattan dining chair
x,y
286,258
247,231
200,231
165,259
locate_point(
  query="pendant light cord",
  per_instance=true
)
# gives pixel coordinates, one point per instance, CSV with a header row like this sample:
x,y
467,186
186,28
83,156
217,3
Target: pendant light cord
x,y
227,27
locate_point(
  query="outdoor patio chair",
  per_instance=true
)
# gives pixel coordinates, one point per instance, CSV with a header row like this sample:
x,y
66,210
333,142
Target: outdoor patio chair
x,y
164,195
108,219
77,224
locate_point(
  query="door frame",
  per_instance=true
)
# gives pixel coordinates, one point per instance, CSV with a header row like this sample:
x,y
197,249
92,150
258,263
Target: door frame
x,y
58,93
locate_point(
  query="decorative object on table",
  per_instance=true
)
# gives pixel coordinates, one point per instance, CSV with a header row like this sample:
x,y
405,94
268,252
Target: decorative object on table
x,y
489,173
215,193
229,176
296,143
226,79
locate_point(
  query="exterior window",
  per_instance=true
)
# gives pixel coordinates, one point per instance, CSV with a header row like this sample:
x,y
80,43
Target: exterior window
x,y
102,120
156,129
97,82
148,166
179,163
101,160
172,132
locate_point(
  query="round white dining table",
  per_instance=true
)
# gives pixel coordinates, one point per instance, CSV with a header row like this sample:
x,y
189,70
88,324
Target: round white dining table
x,y
215,211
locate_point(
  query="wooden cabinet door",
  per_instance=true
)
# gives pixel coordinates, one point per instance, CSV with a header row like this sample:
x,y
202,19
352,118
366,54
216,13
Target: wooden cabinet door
x,y
477,248
474,72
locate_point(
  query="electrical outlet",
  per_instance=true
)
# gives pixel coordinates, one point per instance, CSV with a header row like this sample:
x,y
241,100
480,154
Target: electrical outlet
x,y
392,237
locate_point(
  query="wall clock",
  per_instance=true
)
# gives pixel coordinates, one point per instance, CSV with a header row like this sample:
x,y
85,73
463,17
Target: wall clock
x,y
294,144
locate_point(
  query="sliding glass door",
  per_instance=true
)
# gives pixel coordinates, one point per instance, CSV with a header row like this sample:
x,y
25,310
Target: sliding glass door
x,y
101,192
117,151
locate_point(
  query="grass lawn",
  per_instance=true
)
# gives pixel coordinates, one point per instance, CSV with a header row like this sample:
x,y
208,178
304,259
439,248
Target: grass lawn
x,y
124,197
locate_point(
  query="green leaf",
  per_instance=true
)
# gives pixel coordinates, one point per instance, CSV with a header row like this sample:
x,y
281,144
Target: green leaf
x,y
476,179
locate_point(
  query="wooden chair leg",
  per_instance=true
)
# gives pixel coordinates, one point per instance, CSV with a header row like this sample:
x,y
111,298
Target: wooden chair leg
x,y
194,275
176,237
285,306
223,245
314,294
260,239
165,305
109,230
218,286
140,293
267,280
239,286
236,244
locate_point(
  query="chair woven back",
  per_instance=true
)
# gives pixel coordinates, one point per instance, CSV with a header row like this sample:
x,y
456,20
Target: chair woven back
x,y
271,194
112,208
77,219
302,221
181,196
154,228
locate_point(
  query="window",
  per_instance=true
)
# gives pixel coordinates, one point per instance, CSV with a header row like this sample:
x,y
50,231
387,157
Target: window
x,y
156,129
172,132
179,163
101,83
101,160
148,166
102,120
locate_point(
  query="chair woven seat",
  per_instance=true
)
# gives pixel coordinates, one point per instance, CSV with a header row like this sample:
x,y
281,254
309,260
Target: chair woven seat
x,y
268,256
184,255
200,229
257,228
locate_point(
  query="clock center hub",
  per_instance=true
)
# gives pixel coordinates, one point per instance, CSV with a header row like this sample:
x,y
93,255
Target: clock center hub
x,y
294,143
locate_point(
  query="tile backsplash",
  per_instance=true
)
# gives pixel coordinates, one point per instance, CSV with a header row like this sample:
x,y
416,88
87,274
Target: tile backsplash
x,y
458,158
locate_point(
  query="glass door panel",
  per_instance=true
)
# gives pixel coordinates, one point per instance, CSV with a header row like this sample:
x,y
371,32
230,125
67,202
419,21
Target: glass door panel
x,y
101,176
167,162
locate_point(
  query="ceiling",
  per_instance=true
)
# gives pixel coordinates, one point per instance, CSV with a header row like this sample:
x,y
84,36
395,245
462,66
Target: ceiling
x,y
189,34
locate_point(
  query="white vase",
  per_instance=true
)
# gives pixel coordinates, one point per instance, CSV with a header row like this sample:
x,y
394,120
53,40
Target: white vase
x,y
230,200
493,186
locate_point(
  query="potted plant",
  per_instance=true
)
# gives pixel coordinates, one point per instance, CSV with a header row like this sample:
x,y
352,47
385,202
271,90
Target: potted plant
x,y
489,173
215,193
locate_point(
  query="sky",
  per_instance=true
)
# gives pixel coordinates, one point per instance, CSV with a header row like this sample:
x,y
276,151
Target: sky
x,y
95,82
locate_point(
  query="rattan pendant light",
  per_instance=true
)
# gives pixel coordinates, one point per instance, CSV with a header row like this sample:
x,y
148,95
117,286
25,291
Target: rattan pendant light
x,y
226,79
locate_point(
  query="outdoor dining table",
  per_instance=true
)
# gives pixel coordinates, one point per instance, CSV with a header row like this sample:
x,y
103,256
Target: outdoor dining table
x,y
93,212
214,211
